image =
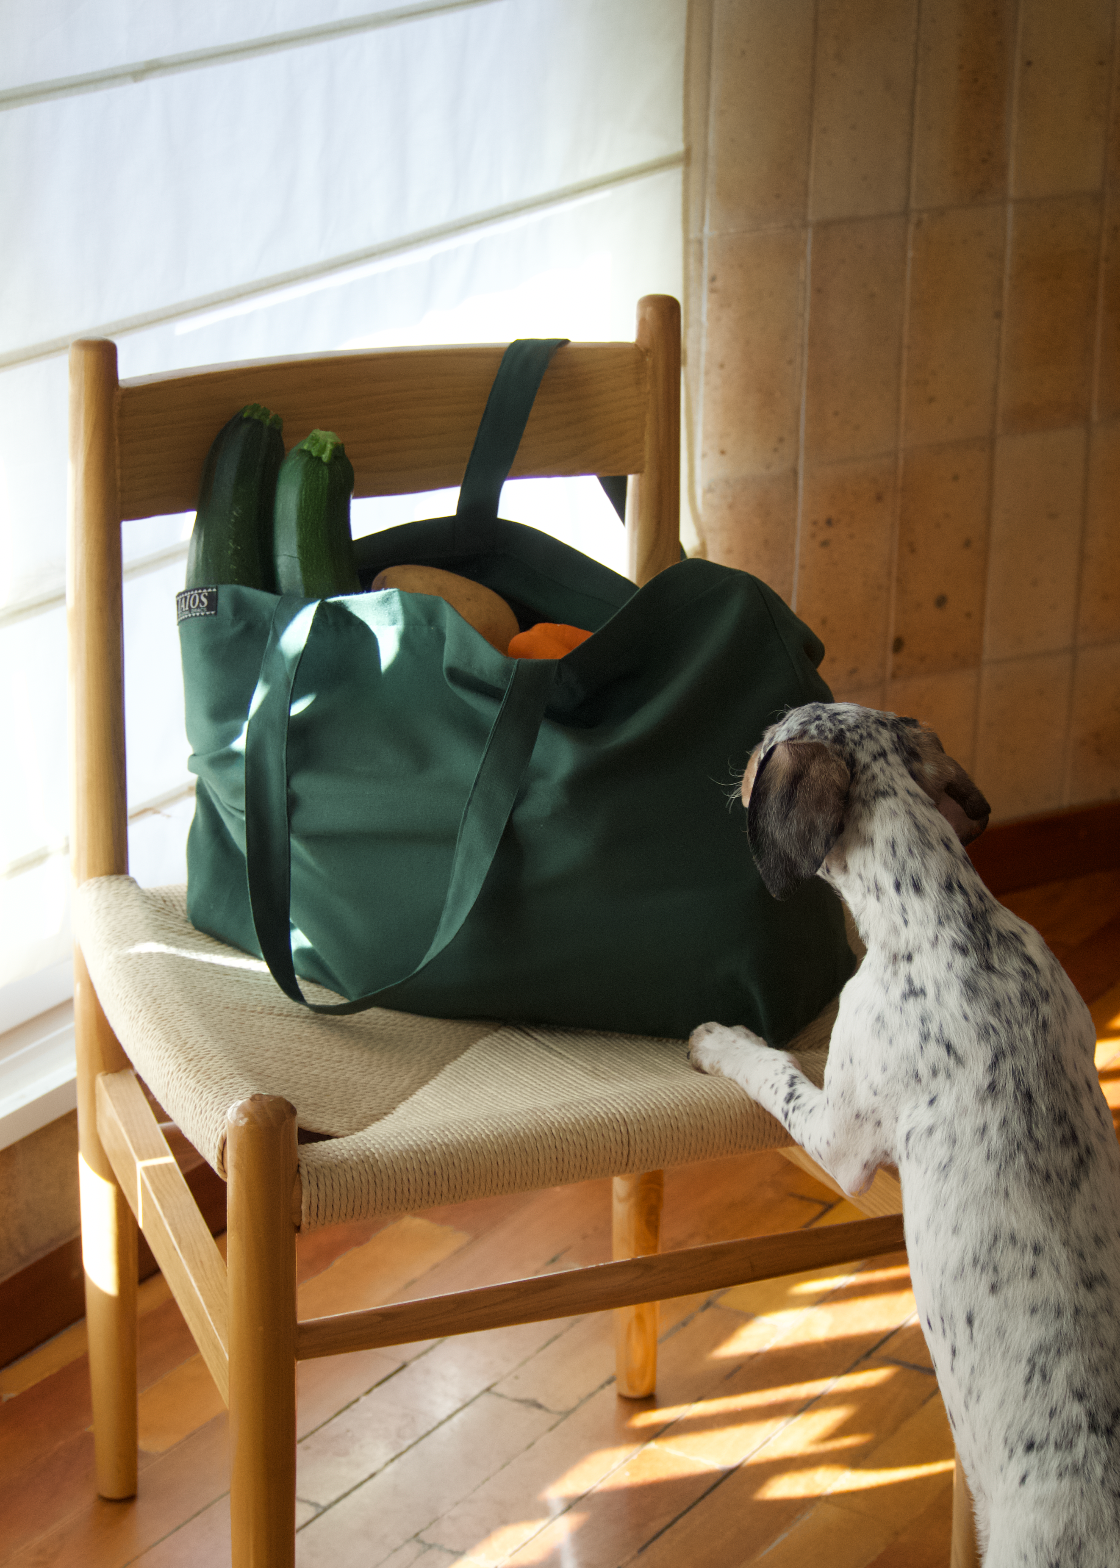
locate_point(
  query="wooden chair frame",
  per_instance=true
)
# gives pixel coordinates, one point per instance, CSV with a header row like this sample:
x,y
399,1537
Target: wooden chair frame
x,y
409,418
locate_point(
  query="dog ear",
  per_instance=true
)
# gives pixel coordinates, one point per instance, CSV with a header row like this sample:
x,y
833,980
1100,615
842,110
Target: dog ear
x,y
795,811
946,783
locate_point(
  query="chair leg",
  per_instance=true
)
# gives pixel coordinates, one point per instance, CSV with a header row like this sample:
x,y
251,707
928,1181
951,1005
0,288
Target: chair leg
x,y
261,1163
636,1233
110,1264
964,1553
108,1258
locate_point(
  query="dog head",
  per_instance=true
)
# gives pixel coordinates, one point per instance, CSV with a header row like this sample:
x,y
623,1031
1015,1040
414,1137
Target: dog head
x,y
809,771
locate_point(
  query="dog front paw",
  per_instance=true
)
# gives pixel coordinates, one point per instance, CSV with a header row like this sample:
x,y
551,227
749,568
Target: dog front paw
x,y
722,1050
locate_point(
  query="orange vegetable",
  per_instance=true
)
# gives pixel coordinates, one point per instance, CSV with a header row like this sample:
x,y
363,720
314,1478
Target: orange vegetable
x,y
546,640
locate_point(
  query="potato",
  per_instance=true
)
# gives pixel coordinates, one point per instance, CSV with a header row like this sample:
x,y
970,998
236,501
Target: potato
x,y
486,611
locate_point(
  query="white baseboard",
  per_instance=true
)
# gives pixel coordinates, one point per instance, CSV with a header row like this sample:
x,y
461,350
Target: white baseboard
x,y
37,1073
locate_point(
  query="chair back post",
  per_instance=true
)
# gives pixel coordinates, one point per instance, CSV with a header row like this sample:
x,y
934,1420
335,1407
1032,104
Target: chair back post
x,y
99,847
653,519
98,810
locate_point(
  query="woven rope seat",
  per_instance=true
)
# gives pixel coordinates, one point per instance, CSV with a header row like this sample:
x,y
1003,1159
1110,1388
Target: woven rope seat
x,y
420,1111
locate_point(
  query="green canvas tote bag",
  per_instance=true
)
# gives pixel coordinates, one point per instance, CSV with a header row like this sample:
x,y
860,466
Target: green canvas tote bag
x,y
391,808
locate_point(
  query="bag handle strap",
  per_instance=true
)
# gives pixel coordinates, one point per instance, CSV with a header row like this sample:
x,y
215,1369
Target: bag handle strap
x,y
268,851
503,424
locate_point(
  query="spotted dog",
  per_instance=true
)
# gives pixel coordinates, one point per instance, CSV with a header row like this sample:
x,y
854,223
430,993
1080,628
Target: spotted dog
x,y
962,1055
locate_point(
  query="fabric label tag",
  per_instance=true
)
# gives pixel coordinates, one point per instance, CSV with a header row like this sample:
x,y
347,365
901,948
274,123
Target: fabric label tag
x,y
195,601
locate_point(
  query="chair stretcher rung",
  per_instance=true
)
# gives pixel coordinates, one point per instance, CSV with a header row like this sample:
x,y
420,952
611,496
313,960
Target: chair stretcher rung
x,y
167,1214
601,1287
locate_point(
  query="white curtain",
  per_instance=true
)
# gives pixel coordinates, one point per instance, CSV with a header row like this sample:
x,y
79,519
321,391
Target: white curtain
x,y
210,182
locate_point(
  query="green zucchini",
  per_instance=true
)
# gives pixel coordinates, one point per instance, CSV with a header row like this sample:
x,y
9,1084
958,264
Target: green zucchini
x,y
231,541
312,551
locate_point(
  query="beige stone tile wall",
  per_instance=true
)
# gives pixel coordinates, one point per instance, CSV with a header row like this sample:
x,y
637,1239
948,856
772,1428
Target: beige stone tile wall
x,y
903,358
39,1193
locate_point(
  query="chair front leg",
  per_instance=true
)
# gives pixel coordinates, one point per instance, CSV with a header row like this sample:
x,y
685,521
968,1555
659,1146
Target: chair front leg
x,y
261,1164
636,1233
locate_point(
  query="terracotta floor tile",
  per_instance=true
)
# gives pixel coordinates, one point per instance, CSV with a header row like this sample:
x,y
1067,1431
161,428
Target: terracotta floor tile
x,y
203,1542
174,1488
577,1453
380,1269
904,1475
38,1495
745,1195
480,1215
694,1361
728,1527
182,1401
1105,1059
777,1305
711,1418
316,1250
763,1497
804,1361
925,1542
165,1342
860,1306
823,1536
901,1493
403,1498
789,1369
874,1302
726,1432
398,1413
36,1421
805,1456
828,1448
596,1438
1092,964
796,1180
64,1348
563,1372
417,1554
361,1440
475,1362
561,1227
841,1212
499,1516
1105,1013
55,1408
330,1383
907,1346
769,1501
612,1524
857,1409
1070,912
673,1313
70,1344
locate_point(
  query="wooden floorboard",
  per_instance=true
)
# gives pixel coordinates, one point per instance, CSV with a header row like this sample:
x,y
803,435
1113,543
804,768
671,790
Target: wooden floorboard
x,y
796,1421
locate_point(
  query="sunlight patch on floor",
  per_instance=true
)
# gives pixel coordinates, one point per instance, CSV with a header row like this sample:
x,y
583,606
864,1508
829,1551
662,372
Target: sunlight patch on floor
x,y
792,1484
729,1404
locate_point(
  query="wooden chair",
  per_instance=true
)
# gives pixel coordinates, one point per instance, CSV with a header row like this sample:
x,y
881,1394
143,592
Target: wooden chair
x,y
204,1027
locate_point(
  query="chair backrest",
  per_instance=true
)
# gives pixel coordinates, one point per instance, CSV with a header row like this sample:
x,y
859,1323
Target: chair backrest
x,y
408,418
